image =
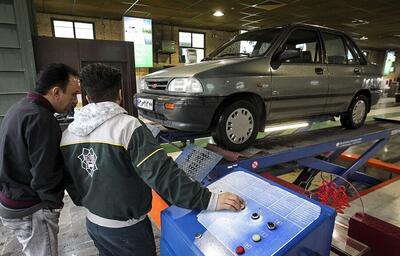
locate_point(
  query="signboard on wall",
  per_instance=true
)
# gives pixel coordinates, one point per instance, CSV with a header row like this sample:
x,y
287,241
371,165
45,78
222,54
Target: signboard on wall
x,y
139,31
390,58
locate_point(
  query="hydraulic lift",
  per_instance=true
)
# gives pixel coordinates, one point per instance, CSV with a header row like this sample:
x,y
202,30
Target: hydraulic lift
x,y
313,151
318,149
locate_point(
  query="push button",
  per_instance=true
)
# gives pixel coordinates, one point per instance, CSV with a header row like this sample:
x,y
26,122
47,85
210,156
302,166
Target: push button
x,y
271,225
255,216
256,238
240,250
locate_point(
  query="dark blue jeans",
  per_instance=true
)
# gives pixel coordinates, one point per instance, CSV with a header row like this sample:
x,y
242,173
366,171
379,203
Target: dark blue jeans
x,y
129,241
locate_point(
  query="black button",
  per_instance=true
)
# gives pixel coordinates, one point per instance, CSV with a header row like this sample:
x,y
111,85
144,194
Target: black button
x,y
255,216
271,225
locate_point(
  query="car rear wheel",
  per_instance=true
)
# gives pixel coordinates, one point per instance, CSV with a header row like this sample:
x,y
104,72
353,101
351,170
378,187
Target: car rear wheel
x,y
356,114
237,126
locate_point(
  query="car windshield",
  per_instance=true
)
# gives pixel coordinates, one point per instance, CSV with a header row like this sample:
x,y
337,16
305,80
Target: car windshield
x,y
250,44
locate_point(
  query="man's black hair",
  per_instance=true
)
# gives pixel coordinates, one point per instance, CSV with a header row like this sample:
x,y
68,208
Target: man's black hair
x,y
101,82
55,74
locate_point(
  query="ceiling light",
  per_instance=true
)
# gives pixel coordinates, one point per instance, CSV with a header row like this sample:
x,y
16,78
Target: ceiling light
x,y
363,38
218,14
357,21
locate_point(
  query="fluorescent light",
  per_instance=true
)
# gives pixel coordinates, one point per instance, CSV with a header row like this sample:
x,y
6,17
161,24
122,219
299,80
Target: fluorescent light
x,y
285,127
218,14
363,38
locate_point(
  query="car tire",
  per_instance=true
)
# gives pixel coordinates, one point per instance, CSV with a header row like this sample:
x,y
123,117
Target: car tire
x,y
356,114
236,126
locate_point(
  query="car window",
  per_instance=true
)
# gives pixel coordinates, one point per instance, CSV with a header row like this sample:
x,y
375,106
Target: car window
x,y
240,48
350,58
356,51
335,50
305,41
250,44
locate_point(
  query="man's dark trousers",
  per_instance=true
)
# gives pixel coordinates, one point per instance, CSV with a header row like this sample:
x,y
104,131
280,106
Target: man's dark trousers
x,y
135,240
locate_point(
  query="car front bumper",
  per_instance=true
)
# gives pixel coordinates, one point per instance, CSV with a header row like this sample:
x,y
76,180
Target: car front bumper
x,y
189,113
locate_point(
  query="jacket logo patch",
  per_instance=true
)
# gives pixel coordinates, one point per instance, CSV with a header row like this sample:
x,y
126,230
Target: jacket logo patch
x,y
88,160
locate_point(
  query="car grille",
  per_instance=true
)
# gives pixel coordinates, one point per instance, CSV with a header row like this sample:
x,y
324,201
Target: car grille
x,y
159,85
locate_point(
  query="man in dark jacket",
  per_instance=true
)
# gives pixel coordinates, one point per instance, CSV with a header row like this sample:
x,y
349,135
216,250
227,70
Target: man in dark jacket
x,y
112,161
31,165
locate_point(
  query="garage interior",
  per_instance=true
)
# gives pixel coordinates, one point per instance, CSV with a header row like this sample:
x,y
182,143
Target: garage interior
x,y
32,37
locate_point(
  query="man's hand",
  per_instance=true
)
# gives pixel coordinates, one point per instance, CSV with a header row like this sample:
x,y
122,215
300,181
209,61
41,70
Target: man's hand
x,y
229,201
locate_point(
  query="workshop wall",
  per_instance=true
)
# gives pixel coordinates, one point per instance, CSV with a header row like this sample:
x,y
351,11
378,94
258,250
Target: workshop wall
x,y
105,29
213,39
377,57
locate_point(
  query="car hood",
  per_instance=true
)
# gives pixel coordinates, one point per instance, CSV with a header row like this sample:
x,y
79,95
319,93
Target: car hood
x,y
189,70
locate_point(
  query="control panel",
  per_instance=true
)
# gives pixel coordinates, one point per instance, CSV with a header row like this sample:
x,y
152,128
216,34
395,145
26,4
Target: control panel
x,y
275,221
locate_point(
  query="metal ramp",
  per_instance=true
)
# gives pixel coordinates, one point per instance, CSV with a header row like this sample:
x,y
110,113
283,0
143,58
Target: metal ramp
x,y
318,150
312,150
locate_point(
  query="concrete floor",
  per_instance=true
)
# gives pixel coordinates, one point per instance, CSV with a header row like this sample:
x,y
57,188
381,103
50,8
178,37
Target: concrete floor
x,y
74,241
73,238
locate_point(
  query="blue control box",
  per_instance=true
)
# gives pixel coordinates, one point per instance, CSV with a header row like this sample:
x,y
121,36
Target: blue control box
x,y
275,221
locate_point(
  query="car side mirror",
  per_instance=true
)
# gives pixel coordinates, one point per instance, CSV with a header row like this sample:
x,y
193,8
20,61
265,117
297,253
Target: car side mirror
x,y
285,55
289,54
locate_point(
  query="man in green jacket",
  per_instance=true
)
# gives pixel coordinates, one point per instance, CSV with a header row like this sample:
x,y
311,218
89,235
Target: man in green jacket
x,y
112,162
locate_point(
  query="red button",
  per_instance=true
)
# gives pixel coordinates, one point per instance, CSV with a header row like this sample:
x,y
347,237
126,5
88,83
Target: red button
x,y
240,250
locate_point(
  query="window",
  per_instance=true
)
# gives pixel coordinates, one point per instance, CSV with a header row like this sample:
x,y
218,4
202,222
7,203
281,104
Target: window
x,y
246,45
191,46
350,57
307,43
337,52
358,54
73,29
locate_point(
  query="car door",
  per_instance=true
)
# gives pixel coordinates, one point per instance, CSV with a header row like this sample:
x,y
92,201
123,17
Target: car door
x,y
299,85
344,72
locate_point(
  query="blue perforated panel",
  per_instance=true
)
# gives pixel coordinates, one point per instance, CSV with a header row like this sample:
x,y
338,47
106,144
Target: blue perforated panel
x,y
197,162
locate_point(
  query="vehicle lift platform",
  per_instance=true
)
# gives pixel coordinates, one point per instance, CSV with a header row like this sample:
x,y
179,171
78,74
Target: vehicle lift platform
x,y
314,150
317,149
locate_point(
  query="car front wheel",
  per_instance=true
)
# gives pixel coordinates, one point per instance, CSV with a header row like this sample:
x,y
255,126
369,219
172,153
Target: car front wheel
x,y
237,126
356,114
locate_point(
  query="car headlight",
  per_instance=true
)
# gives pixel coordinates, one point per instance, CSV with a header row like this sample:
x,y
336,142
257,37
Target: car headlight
x,y
189,85
142,84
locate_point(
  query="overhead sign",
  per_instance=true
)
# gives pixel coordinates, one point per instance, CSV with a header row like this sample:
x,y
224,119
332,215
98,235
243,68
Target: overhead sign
x,y
139,31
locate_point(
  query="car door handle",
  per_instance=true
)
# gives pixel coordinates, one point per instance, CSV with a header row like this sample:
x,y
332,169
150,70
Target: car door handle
x,y
356,70
319,71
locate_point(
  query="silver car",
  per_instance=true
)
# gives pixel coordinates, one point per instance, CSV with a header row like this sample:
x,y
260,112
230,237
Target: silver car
x,y
284,73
